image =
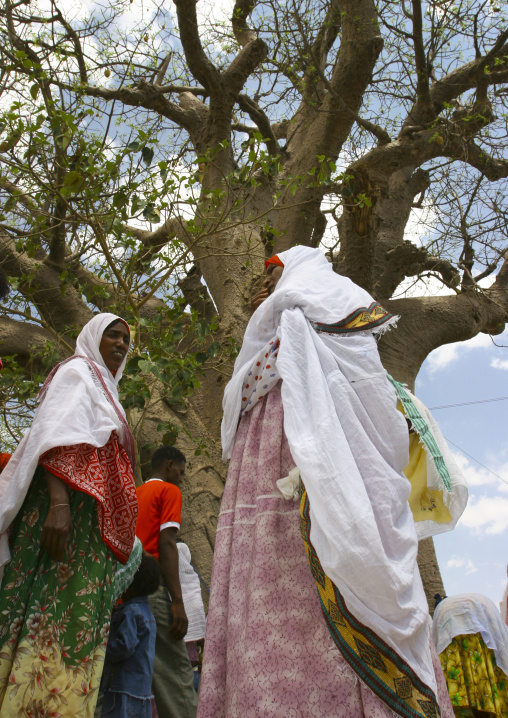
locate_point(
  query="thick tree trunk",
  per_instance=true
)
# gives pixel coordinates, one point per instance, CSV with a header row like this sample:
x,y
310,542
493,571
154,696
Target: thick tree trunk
x,y
430,573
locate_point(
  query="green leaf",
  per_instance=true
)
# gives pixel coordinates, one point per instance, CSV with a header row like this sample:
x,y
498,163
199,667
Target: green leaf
x,y
120,199
136,205
10,204
34,91
151,214
145,366
71,178
73,181
147,155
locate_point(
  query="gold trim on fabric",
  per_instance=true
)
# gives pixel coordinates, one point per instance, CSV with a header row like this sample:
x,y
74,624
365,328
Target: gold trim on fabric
x,y
379,667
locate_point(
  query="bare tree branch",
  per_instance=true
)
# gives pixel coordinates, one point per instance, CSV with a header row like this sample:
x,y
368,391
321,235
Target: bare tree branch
x,y
477,157
163,69
83,74
61,310
258,116
145,95
242,32
21,196
201,67
196,294
244,64
502,276
422,85
20,338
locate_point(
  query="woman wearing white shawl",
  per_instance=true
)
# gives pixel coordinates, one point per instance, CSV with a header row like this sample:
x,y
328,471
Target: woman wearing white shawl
x,y
68,513
268,650
472,642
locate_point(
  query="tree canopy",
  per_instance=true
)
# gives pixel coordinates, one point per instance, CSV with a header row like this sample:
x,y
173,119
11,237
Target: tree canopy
x,y
153,155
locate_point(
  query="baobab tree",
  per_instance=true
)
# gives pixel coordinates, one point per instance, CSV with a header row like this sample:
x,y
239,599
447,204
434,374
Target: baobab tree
x,y
153,157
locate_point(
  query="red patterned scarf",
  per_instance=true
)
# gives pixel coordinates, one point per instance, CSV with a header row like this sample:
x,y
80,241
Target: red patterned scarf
x,y
106,474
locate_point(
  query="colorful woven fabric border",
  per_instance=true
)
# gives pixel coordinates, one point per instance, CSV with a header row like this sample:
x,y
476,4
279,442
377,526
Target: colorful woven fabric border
x,y
125,572
422,429
379,667
360,320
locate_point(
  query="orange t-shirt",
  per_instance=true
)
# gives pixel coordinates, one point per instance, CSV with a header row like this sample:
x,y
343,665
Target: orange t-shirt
x,y
159,507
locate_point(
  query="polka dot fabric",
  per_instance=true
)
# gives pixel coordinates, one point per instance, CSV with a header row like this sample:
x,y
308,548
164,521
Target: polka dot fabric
x,y
262,376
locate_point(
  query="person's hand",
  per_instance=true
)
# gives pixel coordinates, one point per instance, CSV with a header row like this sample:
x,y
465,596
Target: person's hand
x,y
258,299
56,531
180,621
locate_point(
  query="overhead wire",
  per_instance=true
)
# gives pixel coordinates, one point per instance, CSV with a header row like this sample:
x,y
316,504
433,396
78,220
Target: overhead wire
x,y
468,403
476,460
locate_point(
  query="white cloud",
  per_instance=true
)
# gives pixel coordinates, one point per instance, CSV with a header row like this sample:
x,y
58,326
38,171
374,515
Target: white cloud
x,y
459,562
448,353
476,475
499,364
486,514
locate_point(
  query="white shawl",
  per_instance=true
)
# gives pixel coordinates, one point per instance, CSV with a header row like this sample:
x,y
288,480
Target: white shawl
x,y
469,613
308,282
74,408
191,592
443,472
350,444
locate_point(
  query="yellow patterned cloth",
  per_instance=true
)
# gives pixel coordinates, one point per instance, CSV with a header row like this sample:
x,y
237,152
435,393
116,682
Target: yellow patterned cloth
x,y
358,321
378,665
474,680
425,503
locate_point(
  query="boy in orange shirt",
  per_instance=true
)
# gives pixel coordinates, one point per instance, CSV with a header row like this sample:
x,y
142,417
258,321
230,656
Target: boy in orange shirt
x,y
159,518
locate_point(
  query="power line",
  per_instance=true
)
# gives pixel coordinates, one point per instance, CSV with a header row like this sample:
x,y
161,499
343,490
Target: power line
x,y
478,462
468,403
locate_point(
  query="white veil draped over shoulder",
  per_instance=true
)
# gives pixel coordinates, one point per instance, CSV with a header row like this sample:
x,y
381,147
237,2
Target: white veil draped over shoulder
x,y
309,283
79,404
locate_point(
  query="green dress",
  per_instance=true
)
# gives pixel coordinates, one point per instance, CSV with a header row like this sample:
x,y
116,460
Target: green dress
x,y
54,616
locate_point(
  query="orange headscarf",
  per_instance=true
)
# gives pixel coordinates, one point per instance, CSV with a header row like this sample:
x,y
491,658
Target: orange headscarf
x,y
274,260
4,459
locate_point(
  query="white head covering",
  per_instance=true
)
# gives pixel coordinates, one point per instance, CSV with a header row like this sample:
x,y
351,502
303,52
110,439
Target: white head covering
x,y
468,613
78,405
89,339
88,342
87,345
309,283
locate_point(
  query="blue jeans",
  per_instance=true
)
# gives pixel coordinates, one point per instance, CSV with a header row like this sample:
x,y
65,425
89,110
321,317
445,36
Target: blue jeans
x,y
122,705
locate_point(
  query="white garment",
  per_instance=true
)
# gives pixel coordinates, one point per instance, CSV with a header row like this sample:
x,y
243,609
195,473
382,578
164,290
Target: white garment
x,y
309,282
74,408
191,592
455,497
471,613
351,446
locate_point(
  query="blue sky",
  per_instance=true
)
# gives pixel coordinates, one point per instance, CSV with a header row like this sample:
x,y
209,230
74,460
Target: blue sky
x,y
474,556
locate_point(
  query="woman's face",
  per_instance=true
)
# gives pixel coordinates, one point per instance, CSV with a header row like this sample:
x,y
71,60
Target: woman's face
x,y
114,345
273,274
